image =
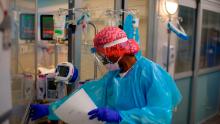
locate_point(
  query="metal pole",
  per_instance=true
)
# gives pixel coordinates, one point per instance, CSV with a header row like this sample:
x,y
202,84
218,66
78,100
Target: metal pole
x,y
71,41
35,47
95,62
152,30
123,15
56,51
71,4
168,47
193,89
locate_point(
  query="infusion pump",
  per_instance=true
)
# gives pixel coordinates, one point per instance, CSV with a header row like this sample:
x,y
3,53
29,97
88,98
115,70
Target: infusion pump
x,y
52,86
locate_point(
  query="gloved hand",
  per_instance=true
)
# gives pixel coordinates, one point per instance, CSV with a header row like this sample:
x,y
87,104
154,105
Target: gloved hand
x,y
105,114
38,111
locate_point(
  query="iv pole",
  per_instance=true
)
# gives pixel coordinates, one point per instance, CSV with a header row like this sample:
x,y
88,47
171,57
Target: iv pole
x,y
168,47
171,7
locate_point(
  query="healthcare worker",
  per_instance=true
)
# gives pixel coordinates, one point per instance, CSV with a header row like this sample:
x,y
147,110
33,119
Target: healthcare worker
x,y
134,91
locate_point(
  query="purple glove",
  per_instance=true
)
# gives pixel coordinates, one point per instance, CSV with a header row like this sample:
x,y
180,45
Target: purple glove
x,y
38,111
105,114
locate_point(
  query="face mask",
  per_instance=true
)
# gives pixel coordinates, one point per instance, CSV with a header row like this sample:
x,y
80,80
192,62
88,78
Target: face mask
x,y
113,67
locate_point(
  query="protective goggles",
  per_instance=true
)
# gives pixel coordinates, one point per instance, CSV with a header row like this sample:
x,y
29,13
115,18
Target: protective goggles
x,y
99,58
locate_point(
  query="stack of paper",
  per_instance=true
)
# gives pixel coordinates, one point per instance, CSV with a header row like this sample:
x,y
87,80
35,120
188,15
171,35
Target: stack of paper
x,y
75,109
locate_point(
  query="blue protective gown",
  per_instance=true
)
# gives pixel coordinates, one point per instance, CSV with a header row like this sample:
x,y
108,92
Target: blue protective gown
x,y
145,95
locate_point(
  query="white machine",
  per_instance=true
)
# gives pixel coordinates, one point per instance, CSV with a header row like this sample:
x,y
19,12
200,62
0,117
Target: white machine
x,y
66,72
52,85
54,89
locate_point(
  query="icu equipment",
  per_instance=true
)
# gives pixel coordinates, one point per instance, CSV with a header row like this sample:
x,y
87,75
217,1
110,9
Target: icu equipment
x,y
41,87
27,26
113,17
59,26
54,27
51,83
28,87
55,89
46,27
179,33
66,72
171,55
84,20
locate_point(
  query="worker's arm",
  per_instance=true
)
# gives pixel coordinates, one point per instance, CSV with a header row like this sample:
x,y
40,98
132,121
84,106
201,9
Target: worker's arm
x,y
38,111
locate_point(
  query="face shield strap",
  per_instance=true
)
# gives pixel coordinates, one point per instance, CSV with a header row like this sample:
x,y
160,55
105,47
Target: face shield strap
x,y
122,40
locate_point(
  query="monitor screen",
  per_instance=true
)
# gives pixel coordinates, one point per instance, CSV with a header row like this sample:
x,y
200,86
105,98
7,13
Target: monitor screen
x,y
27,26
47,27
63,71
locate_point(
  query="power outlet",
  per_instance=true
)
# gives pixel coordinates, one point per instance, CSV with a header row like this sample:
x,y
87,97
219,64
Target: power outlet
x,y
171,56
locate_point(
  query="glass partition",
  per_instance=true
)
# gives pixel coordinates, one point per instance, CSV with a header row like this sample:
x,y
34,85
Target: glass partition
x,y
30,53
22,55
52,48
185,49
98,17
210,40
141,6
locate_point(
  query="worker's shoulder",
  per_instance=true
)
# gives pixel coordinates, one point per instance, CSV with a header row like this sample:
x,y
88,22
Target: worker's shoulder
x,y
145,62
149,65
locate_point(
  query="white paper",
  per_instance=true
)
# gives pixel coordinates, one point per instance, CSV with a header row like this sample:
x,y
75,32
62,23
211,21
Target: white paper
x,y
75,109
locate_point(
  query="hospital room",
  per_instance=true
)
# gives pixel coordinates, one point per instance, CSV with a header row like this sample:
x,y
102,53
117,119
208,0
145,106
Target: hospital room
x,y
110,61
